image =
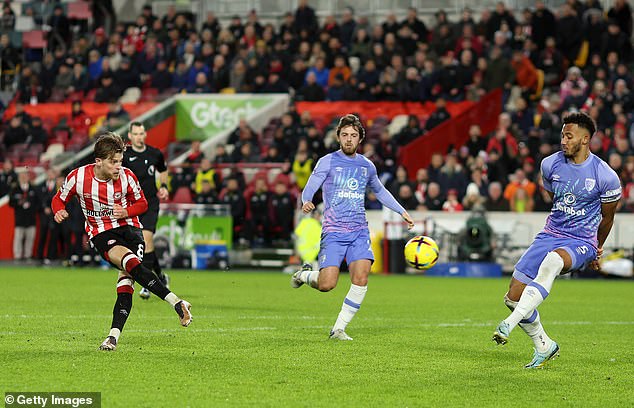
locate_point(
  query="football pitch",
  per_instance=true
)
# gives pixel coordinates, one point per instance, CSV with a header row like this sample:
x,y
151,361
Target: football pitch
x,y
254,341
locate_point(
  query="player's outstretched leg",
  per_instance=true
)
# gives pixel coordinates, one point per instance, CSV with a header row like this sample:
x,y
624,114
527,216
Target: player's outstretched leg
x,y
120,313
150,261
545,348
148,279
534,293
351,305
305,275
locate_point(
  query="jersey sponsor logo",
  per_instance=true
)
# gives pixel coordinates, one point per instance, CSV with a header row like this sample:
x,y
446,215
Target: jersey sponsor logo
x,y
556,177
353,195
570,199
338,168
590,183
150,169
88,196
102,213
353,184
112,241
133,158
570,210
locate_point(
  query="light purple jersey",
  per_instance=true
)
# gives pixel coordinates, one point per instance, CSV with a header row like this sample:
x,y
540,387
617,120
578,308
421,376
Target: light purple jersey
x,y
579,190
343,181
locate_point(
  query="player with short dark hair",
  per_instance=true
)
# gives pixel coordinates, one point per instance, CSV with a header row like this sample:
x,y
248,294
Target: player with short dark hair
x,y
585,192
145,161
343,177
111,200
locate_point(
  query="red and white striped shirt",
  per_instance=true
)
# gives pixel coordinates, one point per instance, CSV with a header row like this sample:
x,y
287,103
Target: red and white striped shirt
x,y
97,198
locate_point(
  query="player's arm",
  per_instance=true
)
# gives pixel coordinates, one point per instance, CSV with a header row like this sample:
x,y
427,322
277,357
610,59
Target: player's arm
x,y
315,181
546,170
134,196
607,220
63,196
387,199
163,192
610,185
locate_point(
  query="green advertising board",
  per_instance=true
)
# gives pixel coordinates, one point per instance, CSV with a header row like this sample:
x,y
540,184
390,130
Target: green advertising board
x,y
198,119
196,228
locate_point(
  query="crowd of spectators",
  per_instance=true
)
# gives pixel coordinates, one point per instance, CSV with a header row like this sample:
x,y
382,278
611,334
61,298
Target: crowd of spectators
x,y
547,62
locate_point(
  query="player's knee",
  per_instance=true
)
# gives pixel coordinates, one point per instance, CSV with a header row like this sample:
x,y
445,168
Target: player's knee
x,y
326,285
125,285
551,266
511,304
129,262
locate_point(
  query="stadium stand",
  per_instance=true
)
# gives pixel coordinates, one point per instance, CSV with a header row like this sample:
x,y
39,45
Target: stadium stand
x,y
535,55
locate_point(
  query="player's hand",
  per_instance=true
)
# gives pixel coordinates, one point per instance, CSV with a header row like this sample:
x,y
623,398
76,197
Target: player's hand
x,y
163,194
408,219
308,207
60,216
119,212
595,265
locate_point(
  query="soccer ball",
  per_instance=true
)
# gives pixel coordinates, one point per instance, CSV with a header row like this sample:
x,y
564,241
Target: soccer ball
x,y
421,252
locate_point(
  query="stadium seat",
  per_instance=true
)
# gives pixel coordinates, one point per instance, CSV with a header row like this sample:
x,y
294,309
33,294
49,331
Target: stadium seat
x,y
24,23
79,10
183,195
53,150
34,39
398,122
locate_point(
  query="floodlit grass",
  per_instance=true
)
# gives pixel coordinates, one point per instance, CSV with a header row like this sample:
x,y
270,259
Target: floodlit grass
x,y
254,341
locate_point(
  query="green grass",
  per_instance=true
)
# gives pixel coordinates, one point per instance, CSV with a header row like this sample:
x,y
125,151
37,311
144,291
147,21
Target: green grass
x,y
256,342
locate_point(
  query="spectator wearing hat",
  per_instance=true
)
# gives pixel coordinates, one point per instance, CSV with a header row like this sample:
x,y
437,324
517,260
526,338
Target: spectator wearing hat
x,y
100,41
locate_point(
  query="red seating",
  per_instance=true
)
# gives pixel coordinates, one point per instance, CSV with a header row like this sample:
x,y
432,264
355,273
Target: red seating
x,y
183,195
79,10
34,39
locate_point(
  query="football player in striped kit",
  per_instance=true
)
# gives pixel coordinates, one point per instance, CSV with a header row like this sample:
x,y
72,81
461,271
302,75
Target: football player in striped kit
x,y
112,199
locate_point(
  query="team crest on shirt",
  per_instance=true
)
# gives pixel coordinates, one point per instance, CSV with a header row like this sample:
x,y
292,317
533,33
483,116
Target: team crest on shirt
x,y
590,183
353,184
364,172
117,195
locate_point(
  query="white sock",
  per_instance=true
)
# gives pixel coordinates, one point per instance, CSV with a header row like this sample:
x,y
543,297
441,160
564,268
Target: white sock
x,y
172,299
533,328
536,291
310,277
351,305
114,332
